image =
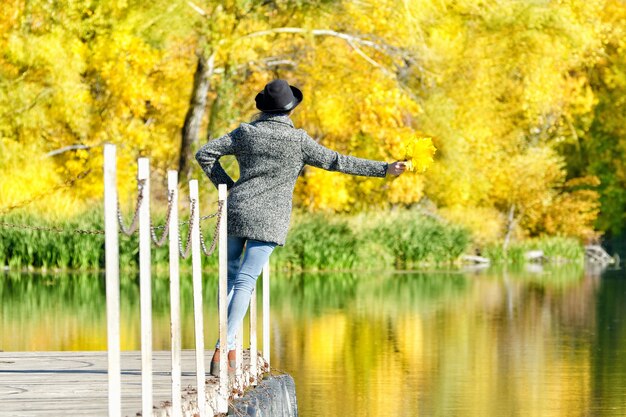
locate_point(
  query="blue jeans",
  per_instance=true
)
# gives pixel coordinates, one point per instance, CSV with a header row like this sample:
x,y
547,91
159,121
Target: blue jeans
x,y
242,276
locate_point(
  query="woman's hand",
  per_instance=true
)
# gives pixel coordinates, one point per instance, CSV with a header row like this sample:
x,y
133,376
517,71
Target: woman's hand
x,y
396,168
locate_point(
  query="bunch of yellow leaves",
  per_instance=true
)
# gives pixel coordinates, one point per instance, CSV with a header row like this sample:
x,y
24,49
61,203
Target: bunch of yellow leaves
x,y
419,153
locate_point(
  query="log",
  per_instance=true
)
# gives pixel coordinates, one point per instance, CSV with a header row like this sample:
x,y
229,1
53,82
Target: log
x,y
475,259
597,254
535,256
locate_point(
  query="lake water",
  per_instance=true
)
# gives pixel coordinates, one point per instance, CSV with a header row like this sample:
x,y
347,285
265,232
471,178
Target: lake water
x,y
487,343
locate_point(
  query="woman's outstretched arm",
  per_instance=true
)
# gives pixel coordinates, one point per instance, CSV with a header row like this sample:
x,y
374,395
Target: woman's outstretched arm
x,y
321,157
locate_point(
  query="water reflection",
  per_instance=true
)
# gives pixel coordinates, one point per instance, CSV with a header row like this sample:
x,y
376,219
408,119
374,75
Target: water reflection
x,y
547,342
68,312
491,343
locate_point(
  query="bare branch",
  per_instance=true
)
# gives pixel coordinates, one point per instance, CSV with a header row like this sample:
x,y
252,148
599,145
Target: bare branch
x,y
360,52
317,32
67,149
30,106
352,40
355,43
197,9
267,63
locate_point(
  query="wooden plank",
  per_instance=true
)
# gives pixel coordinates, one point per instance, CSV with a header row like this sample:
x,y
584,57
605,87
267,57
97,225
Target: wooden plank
x,y
75,383
112,264
145,286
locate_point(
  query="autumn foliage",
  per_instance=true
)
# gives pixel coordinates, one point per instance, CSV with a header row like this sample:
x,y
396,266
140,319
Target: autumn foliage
x,y
523,100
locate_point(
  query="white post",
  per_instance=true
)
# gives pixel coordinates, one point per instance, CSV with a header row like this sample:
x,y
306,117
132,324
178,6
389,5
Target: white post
x,y
172,188
253,343
222,405
197,296
239,359
112,281
145,288
266,312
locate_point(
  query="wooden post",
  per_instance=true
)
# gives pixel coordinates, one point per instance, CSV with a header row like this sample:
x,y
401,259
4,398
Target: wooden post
x,y
222,403
197,296
266,312
253,342
145,287
172,187
112,281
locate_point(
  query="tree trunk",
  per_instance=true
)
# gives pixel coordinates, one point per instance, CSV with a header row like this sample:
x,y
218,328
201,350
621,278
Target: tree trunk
x,y
509,229
193,118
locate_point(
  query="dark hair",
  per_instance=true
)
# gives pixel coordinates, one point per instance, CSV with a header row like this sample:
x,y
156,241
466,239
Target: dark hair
x,y
257,116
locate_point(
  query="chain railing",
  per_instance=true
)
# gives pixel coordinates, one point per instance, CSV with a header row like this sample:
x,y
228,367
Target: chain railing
x,y
132,228
166,227
190,245
159,242
128,231
51,229
184,253
211,250
184,250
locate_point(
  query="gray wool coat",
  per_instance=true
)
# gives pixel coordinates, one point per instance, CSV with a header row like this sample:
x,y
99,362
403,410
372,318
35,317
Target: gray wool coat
x,y
271,154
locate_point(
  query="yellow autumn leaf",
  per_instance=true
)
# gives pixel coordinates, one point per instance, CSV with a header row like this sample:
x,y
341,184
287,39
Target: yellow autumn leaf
x,y
419,153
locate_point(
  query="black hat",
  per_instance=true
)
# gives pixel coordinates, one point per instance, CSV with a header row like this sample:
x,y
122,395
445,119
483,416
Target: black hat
x,y
277,97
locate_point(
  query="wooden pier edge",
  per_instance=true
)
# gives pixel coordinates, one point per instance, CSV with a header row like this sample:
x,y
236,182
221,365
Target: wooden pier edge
x,y
75,383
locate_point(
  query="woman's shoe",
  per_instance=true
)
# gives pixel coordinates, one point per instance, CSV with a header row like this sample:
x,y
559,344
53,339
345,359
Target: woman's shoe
x,y
215,362
232,358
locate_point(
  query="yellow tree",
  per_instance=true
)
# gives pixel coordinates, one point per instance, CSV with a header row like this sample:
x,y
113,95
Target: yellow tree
x,y
502,86
598,146
75,74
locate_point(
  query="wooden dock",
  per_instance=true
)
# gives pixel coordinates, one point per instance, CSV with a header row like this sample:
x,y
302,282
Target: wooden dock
x,y
75,383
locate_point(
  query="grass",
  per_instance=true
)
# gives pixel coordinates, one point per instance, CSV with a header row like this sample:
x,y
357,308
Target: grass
x,y
400,239
26,248
556,249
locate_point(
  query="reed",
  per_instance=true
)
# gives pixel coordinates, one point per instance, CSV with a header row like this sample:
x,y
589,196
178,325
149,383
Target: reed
x,y
413,238
30,248
556,249
399,239
318,242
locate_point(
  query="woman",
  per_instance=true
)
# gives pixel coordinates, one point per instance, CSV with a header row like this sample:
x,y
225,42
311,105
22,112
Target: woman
x,y
271,153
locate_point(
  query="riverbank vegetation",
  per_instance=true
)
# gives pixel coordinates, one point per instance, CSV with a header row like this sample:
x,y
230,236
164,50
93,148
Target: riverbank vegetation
x,y
400,240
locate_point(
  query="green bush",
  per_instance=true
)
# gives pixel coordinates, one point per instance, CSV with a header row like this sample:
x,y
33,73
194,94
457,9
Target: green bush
x,y
400,239
318,242
414,238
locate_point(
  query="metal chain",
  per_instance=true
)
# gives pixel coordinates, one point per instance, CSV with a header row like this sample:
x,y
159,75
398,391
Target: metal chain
x,y
184,253
159,242
52,229
210,251
166,227
203,218
135,221
65,184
